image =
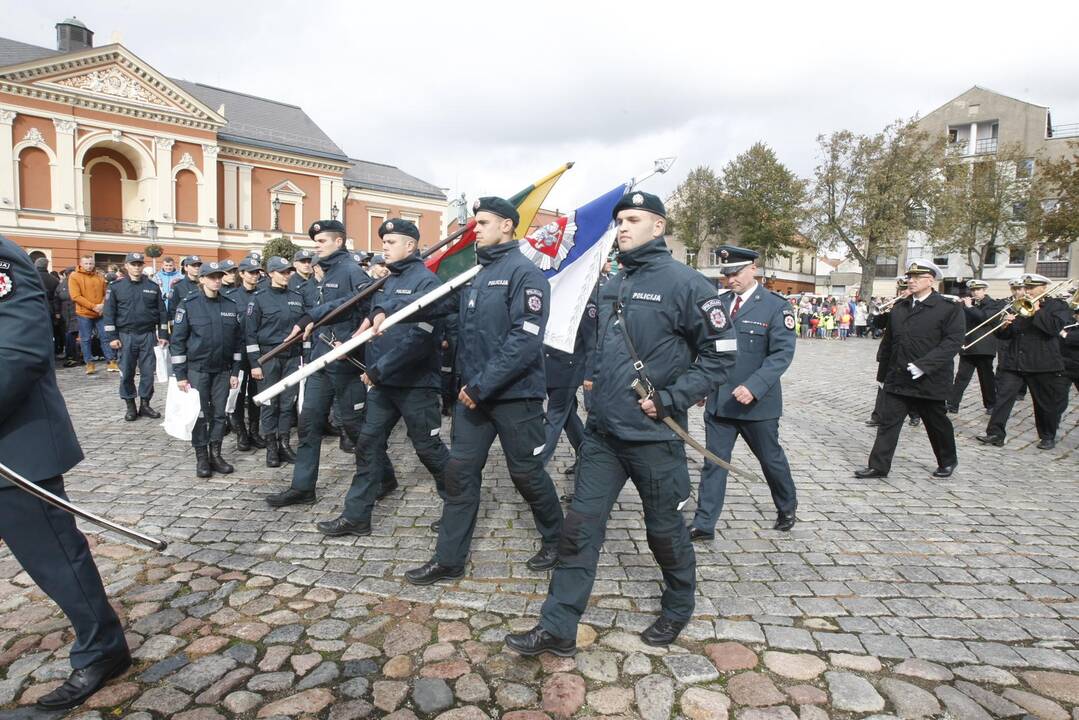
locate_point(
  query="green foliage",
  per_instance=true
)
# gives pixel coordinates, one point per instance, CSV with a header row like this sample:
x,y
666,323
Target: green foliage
x,y
864,187
763,201
694,210
153,251
1059,222
281,246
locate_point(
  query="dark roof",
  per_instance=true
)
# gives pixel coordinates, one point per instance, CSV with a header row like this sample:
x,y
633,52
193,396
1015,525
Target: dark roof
x,y
251,120
265,123
13,52
376,176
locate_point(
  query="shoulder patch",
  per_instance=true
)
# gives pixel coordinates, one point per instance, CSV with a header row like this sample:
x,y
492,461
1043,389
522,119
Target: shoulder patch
x,y
591,311
788,321
250,309
714,313
534,301
180,312
7,284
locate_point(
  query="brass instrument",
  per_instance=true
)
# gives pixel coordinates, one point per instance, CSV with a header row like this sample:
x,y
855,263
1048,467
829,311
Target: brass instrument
x,y
1072,300
1020,307
884,306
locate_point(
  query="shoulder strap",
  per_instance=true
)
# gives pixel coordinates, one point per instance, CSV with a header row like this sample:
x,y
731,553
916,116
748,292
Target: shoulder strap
x,y
638,364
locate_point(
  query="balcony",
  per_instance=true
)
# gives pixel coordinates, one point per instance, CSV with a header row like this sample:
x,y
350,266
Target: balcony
x,y
1065,131
884,269
1053,268
985,146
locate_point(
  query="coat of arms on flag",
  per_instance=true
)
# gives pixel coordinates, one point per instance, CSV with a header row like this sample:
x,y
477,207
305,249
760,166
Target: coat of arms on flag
x,y
548,246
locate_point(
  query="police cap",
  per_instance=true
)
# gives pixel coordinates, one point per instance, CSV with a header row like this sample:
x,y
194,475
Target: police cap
x,y
191,260
249,264
303,255
320,226
278,264
135,257
733,258
638,200
497,206
212,268
399,226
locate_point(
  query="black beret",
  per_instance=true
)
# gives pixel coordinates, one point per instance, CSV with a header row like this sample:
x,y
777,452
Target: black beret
x,y
497,206
733,258
637,200
325,226
399,226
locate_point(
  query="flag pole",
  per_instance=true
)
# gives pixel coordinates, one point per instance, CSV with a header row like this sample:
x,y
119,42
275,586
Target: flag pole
x,y
661,166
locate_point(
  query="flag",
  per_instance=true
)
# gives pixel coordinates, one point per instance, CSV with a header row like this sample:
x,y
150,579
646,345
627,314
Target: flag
x,y
461,254
570,251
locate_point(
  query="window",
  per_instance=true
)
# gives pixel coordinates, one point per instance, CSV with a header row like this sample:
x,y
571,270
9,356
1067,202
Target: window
x,y
1017,256
953,135
991,255
1019,211
691,258
941,260
187,197
1054,255
103,260
34,180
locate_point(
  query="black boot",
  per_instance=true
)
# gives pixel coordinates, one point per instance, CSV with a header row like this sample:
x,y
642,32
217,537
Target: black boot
x,y
273,457
537,641
347,444
243,443
253,433
217,462
146,411
284,449
202,462
131,413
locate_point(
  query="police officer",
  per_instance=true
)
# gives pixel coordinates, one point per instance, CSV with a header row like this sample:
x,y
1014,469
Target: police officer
x,y
403,382
186,285
38,441
270,316
247,431
135,321
1033,358
339,382
750,403
303,280
977,308
915,361
665,318
207,337
565,374
500,362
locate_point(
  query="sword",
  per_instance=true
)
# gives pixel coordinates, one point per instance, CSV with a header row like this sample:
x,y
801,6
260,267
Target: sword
x,y
42,494
354,361
690,440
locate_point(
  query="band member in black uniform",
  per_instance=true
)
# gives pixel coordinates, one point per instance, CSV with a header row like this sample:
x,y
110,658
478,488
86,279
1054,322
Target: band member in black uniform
x,y
879,323
977,308
915,361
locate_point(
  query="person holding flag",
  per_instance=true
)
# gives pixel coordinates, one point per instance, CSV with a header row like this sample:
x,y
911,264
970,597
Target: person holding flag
x,y
662,325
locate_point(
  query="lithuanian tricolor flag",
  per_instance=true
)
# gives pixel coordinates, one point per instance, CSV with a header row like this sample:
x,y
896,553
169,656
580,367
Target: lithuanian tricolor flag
x,y
461,254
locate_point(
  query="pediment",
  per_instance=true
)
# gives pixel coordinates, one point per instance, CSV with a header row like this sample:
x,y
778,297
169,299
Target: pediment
x,y
286,187
109,78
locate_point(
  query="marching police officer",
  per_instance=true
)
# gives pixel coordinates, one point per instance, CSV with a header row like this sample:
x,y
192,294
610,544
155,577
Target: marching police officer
x,y
1034,359
38,441
750,403
339,382
135,320
403,382
207,337
977,307
186,285
565,373
247,431
915,362
303,280
270,316
500,362
662,325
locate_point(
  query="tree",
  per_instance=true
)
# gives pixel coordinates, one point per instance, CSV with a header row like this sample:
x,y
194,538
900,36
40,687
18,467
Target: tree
x,y
281,246
763,202
1059,220
987,203
694,210
864,187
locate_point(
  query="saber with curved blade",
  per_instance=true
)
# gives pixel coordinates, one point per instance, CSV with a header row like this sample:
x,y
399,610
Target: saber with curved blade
x,y
352,343
42,494
690,440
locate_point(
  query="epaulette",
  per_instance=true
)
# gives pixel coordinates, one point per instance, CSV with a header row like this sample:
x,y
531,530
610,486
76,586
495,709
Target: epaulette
x,y
780,295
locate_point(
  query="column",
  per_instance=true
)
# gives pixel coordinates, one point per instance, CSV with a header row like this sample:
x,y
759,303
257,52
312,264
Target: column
x,y
972,148
245,196
208,198
230,194
8,201
63,197
325,196
163,202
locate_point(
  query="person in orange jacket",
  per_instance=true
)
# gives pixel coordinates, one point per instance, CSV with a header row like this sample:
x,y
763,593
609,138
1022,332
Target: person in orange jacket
x,y
87,289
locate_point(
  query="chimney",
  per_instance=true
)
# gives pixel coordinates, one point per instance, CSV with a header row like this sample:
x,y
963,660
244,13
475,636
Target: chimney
x,y
72,36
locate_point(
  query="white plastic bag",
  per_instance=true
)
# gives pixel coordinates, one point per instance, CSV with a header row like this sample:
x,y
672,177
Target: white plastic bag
x,y
164,361
181,411
230,404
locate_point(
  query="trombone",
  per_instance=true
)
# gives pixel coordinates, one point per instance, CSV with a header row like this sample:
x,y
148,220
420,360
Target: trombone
x,y
1022,307
884,306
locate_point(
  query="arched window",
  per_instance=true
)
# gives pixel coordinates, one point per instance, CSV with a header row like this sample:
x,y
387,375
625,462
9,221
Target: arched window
x,y
35,180
187,197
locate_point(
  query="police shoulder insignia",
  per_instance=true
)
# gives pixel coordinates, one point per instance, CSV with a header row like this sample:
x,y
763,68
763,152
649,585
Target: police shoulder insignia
x,y
250,309
533,300
714,313
7,283
180,312
788,320
592,311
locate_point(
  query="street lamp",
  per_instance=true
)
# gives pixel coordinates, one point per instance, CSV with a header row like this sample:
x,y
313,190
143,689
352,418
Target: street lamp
x,y
276,211
333,211
151,235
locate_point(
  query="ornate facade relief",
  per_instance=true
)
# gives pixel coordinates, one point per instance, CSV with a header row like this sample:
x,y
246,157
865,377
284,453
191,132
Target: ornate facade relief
x,y
115,82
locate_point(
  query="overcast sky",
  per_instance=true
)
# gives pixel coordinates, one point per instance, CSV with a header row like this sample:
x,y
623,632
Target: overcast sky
x,y
484,97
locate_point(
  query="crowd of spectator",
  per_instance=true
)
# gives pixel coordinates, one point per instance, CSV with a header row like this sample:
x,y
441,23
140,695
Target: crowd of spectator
x,y
830,318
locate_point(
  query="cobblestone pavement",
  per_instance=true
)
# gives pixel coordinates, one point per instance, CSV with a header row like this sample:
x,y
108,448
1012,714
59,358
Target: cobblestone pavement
x,y
906,597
